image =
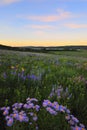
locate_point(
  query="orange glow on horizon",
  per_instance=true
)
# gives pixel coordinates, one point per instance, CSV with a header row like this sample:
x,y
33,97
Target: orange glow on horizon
x,y
42,43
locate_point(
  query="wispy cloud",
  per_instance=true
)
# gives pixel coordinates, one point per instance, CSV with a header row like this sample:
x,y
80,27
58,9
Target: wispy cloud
x,y
61,14
7,2
39,33
75,26
39,27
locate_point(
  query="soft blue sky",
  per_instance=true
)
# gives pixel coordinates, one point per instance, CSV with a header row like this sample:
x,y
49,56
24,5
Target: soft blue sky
x,y
43,22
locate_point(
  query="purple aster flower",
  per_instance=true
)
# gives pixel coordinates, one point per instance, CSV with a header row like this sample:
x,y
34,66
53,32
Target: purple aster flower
x,y
20,105
75,119
67,111
71,122
61,108
3,108
26,119
10,121
15,105
81,125
35,118
78,128
37,107
51,111
5,112
33,99
20,118
25,106
31,113
28,99
67,117
46,103
28,106
15,115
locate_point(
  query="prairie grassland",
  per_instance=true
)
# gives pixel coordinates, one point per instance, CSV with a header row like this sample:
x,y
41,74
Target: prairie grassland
x,y
43,91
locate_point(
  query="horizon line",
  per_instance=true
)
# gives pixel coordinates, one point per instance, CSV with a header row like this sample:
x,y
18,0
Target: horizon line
x,y
42,46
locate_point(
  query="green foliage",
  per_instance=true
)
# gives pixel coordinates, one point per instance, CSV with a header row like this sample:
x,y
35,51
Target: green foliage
x,y
46,71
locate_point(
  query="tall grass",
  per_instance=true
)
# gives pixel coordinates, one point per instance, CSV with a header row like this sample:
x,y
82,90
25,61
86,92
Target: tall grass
x,y
43,77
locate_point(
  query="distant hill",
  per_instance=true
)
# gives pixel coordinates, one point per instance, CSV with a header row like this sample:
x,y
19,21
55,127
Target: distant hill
x,y
5,47
44,49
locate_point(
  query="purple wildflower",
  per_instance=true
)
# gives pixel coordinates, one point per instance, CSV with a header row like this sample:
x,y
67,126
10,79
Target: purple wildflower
x,y
4,75
51,111
10,121
37,107
35,118
46,103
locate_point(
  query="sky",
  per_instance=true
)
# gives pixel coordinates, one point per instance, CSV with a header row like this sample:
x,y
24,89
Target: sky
x,y
43,22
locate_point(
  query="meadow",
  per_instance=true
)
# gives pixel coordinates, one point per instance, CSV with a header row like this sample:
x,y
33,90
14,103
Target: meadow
x,y
41,91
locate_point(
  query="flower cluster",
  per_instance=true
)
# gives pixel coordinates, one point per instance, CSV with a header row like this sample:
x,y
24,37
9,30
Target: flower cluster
x,y
27,112
60,92
21,75
54,108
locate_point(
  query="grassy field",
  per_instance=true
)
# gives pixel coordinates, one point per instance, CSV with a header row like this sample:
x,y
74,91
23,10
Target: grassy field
x,y
41,91
79,53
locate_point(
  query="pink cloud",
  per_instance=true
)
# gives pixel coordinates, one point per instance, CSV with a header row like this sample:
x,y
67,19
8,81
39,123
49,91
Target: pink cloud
x,y
6,2
75,26
40,27
39,33
49,18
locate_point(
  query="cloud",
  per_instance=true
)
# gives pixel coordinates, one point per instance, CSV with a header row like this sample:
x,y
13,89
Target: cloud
x,y
75,26
40,27
7,2
61,14
39,33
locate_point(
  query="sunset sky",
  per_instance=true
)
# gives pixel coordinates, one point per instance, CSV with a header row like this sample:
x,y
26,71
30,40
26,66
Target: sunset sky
x,y
43,22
